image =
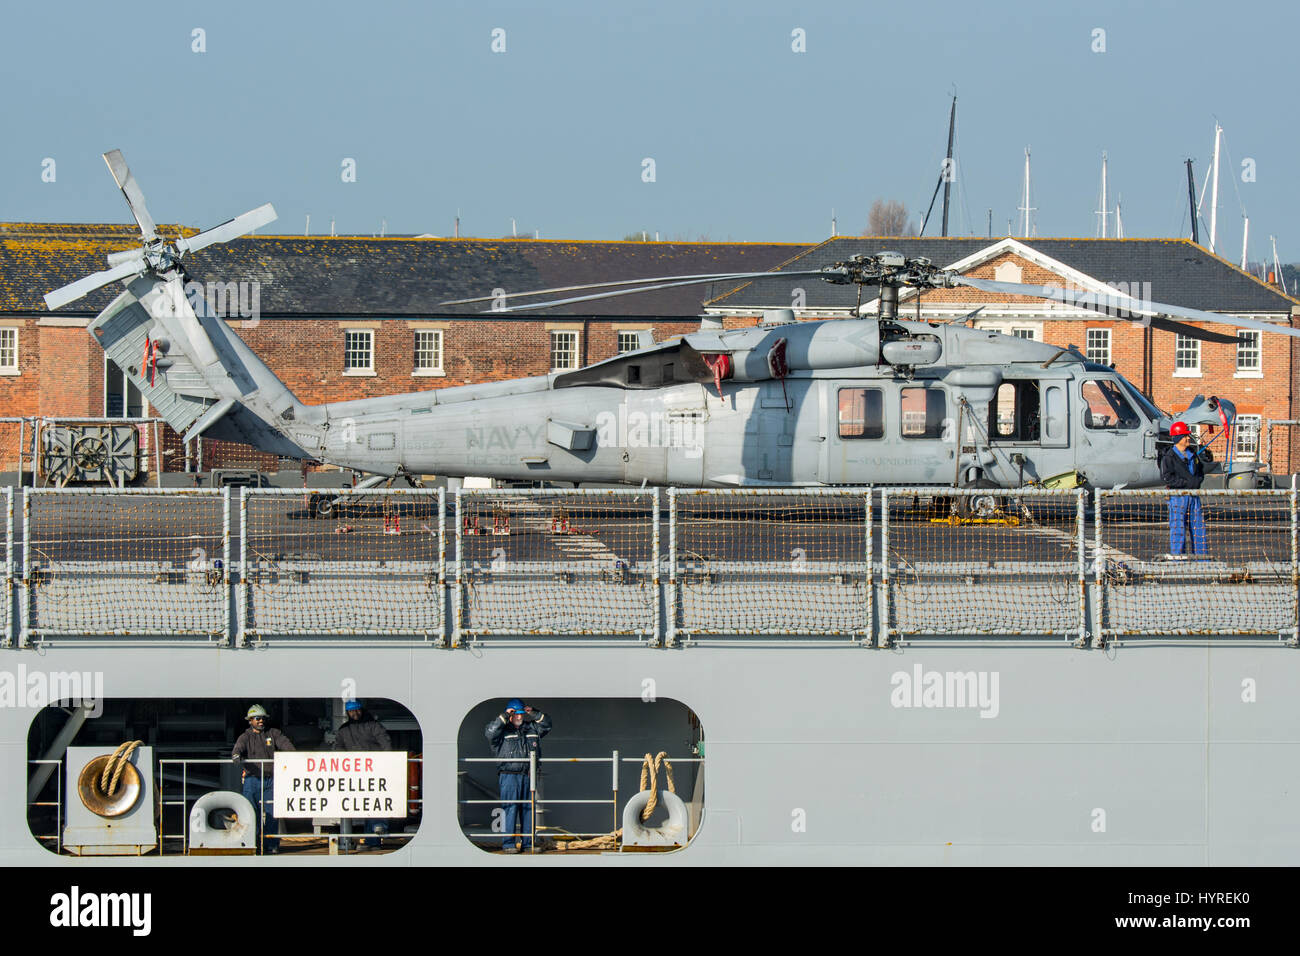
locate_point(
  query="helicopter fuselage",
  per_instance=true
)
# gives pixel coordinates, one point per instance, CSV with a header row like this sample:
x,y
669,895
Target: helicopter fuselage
x,y
1006,425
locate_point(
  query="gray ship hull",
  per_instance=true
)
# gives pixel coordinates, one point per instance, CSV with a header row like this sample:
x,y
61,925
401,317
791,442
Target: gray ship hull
x,y
1158,755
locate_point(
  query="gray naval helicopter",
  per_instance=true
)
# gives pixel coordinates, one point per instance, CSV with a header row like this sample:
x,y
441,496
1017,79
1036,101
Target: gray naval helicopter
x,y
877,400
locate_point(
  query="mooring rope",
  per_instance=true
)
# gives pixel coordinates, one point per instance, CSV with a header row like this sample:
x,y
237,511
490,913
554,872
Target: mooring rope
x,y
116,766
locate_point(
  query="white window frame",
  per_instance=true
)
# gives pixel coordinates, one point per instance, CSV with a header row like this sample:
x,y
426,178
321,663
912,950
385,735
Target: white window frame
x,y
357,369
10,368
555,339
635,336
1257,369
1239,449
1188,346
1090,351
1023,333
439,350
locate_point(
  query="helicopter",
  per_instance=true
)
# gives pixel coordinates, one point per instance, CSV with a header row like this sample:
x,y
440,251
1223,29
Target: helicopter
x,y
782,404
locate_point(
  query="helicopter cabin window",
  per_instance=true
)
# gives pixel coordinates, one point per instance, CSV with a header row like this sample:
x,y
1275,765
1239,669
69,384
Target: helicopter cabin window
x,y
862,413
428,352
358,352
1187,355
922,412
1105,406
1014,414
564,351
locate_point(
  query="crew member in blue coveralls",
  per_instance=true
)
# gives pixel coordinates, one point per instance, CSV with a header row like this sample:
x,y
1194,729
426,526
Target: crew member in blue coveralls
x,y
1180,467
513,736
257,743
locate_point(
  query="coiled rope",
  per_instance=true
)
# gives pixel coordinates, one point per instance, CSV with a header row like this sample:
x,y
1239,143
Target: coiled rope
x,y
116,766
649,781
650,768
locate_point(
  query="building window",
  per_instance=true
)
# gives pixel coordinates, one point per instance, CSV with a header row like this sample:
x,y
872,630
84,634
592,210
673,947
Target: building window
x,y
1023,334
428,352
1246,445
564,351
1248,351
8,351
1187,355
1099,346
358,351
628,342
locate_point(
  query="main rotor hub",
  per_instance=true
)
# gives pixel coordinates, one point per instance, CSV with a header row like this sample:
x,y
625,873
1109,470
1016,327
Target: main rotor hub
x,y
890,271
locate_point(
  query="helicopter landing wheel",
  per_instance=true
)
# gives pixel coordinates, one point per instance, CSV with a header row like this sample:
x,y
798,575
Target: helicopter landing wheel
x,y
981,504
325,506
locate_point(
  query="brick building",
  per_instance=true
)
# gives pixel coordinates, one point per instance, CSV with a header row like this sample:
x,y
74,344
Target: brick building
x,y
1258,373
345,318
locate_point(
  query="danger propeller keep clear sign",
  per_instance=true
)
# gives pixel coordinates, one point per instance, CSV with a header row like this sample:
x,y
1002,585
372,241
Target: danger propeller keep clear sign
x,y
352,784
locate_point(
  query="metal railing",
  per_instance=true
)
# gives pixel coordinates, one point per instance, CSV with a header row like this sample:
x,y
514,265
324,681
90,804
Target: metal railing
x,y
1014,566
751,566
185,802
125,563
57,836
557,563
770,562
1166,563
1280,454
380,568
535,802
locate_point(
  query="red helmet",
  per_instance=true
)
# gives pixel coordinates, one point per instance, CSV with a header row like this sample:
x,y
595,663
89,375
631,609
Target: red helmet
x,y
1179,429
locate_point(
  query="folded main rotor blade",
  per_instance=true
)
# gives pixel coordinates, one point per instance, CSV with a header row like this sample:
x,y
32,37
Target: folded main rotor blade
x,y
711,277
1192,332
1111,303
230,229
652,288
84,286
131,190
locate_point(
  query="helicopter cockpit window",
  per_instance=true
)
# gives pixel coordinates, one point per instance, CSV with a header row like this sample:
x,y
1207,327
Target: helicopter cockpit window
x,y
1014,414
922,412
862,413
1105,406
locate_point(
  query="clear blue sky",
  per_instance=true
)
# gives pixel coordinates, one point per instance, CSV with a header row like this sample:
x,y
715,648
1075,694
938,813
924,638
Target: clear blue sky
x,y
751,140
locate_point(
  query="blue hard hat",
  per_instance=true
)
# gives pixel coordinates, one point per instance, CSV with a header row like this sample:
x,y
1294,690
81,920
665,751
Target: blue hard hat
x,y
352,705
516,705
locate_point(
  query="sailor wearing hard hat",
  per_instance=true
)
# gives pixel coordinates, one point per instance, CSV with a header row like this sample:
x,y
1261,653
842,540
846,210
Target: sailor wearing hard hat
x,y
1180,467
257,743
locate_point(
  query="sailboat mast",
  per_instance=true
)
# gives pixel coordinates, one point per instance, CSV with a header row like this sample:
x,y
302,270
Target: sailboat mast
x,y
948,171
1026,208
1104,211
1214,190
